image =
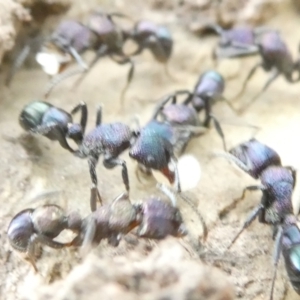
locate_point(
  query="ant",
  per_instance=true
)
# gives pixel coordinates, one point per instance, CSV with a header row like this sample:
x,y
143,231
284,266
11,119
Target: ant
x,y
275,208
154,218
153,149
30,35
151,146
156,38
277,58
290,245
102,35
31,227
109,140
236,42
207,91
72,38
43,118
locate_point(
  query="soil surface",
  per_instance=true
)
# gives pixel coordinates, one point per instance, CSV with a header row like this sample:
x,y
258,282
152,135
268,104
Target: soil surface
x,y
33,166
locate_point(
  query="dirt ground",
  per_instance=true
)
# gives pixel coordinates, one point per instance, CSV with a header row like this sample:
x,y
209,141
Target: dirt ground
x,y
47,167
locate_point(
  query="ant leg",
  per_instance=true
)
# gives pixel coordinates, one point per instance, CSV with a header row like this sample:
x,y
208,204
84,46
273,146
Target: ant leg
x,y
18,64
61,77
230,157
234,203
297,69
84,114
207,108
189,98
267,84
195,130
186,133
294,174
215,28
176,173
160,106
243,49
141,169
78,58
278,244
110,163
129,77
251,73
171,195
92,161
220,97
171,97
195,209
219,130
99,116
215,57
119,15
56,131
262,29
100,53
89,237
62,139
121,197
30,253
168,193
236,50
256,211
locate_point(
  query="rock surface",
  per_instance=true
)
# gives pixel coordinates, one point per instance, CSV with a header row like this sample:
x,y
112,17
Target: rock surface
x,y
12,14
167,273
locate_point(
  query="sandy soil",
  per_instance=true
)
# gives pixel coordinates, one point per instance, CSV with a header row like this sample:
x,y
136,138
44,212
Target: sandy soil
x,y
45,166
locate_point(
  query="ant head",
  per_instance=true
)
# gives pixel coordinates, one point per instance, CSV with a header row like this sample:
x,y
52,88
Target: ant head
x,y
32,114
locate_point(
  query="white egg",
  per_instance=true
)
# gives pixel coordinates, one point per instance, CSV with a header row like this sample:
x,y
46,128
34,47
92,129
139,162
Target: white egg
x,y
49,63
189,170
52,61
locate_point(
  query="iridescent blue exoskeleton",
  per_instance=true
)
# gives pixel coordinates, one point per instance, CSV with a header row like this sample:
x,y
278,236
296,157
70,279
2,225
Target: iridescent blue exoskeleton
x,y
43,118
291,253
154,149
208,90
277,185
109,140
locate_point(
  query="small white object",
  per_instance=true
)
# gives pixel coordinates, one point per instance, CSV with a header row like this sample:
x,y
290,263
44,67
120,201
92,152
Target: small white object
x,y
189,170
51,62
48,62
